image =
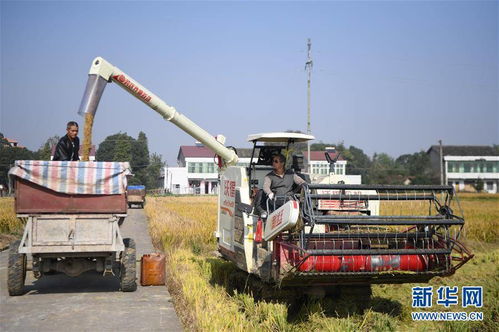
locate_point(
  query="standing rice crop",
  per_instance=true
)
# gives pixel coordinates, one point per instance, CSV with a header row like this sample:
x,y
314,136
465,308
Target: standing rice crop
x,y
198,281
9,223
481,214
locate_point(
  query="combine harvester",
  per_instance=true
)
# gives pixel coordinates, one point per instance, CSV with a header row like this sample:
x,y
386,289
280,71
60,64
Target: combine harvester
x,y
328,234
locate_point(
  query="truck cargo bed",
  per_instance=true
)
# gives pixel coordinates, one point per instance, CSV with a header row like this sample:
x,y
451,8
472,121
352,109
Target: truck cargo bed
x,y
32,198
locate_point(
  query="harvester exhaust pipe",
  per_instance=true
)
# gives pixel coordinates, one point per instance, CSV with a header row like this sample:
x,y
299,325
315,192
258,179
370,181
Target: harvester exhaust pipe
x,y
106,72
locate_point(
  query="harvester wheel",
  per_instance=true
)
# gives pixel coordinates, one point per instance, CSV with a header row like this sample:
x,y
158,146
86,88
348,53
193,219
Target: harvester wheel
x,y
16,270
128,267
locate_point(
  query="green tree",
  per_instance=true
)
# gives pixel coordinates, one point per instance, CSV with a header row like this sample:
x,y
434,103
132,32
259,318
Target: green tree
x,y
121,147
384,170
140,151
8,155
417,167
154,170
46,149
117,147
3,141
478,185
358,163
140,159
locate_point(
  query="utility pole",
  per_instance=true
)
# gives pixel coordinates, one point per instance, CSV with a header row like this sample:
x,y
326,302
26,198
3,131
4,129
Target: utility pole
x,y
441,163
308,68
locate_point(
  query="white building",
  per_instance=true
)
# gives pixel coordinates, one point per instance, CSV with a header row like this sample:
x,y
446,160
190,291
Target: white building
x,y
466,171
175,180
320,168
197,171
465,166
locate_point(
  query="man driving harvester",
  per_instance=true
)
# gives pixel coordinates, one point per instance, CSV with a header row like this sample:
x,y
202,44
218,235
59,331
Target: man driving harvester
x,y
278,184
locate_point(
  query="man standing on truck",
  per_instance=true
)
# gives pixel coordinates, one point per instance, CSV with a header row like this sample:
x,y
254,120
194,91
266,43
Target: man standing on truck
x,y
278,184
69,145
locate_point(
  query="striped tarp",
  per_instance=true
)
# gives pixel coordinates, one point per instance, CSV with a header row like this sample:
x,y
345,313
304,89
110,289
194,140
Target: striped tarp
x,y
75,177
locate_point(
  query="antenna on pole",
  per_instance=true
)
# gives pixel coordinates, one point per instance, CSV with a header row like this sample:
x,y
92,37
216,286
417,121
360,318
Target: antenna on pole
x,y
308,68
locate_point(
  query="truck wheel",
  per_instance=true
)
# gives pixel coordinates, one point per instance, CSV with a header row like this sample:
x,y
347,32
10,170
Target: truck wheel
x,y
128,267
142,205
16,270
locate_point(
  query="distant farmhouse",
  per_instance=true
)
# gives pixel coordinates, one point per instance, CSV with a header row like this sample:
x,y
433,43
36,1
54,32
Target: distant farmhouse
x,y
468,167
320,166
197,172
13,143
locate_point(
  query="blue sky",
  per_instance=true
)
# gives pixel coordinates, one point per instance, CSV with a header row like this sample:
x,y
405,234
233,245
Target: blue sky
x,y
390,77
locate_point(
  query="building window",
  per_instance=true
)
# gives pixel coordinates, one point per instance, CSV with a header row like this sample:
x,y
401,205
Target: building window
x,y
207,167
491,166
453,167
211,168
339,169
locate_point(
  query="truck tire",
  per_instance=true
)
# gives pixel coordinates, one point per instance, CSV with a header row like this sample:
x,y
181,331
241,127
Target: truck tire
x,y
128,267
16,270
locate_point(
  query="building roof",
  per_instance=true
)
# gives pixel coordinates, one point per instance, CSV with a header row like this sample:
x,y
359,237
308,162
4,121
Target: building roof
x,y
190,151
466,150
280,137
14,143
320,155
201,151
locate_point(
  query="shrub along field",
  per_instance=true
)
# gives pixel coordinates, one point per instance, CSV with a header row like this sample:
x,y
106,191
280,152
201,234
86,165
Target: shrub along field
x,y
206,300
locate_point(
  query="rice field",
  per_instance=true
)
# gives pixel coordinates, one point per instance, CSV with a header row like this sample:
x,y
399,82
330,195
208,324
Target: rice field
x,y
9,223
200,282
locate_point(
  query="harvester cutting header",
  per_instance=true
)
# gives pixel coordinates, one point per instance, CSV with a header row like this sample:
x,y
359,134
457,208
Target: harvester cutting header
x,y
326,233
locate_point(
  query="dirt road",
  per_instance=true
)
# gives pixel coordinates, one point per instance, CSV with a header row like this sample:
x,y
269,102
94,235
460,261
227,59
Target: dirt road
x,y
89,302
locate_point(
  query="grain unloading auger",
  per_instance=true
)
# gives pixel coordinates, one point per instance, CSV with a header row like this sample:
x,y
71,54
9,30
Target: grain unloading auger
x,y
327,234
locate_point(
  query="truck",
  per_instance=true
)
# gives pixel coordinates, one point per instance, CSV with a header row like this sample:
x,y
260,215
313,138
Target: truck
x,y
136,195
72,211
327,234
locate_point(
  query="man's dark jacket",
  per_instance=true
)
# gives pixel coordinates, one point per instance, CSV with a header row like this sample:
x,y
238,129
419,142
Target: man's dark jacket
x,y
67,150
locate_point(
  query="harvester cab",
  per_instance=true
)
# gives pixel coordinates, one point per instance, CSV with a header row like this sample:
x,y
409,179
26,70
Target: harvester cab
x,y
329,232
